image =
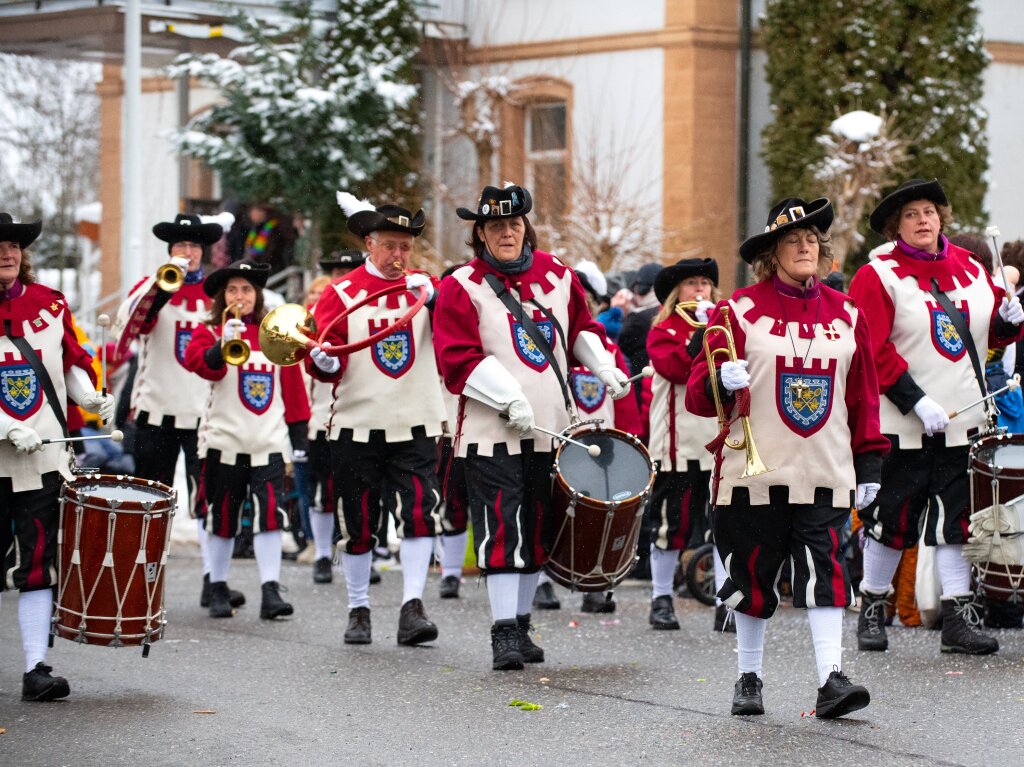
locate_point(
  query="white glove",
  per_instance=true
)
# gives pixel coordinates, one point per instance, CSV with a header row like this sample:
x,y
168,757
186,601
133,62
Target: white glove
x,y
300,456
181,263
932,415
24,438
618,383
233,330
735,375
702,310
1011,311
325,361
866,494
98,402
420,281
520,416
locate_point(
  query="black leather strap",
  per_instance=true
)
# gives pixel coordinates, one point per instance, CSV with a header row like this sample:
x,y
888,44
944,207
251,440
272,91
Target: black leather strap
x,y
36,364
957,319
535,334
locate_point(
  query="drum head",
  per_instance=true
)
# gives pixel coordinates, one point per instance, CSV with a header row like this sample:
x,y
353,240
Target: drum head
x,y
117,491
1001,455
621,471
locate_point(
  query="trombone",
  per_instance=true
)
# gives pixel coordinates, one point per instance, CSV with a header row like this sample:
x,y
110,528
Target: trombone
x,y
754,464
170,278
235,351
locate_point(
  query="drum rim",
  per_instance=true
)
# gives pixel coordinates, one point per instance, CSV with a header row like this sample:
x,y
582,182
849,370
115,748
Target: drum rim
x,y
91,500
625,436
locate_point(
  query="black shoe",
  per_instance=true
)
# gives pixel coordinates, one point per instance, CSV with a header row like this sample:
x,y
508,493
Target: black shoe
x,y
375,576
237,598
220,600
595,602
505,646
273,606
322,570
37,684
839,697
531,653
450,587
663,614
746,696
545,598
358,631
724,620
960,618
871,622
413,625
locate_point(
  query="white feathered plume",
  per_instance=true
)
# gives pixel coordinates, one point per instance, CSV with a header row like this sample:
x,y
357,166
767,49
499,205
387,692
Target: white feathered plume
x,y
352,204
224,218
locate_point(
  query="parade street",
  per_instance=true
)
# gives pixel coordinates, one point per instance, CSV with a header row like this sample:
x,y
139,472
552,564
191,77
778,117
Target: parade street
x,y
252,692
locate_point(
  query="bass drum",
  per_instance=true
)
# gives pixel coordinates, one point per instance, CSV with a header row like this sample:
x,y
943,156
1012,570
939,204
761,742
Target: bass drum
x,y
598,505
996,543
112,550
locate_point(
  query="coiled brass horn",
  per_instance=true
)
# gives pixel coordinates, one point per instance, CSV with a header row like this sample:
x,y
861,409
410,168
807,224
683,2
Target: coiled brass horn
x,y
683,309
754,464
235,351
287,333
170,278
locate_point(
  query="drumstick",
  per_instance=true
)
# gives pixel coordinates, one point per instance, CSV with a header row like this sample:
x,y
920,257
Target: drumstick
x,y
647,372
116,435
592,450
103,321
1012,385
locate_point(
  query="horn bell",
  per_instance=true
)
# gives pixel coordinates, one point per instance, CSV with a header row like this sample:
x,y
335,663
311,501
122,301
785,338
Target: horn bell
x,y
287,333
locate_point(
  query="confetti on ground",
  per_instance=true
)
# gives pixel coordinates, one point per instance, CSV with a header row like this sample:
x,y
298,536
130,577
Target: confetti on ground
x,y
544,680
807,713
573,624
612,622
524,705
954,673
3,730
205,711
701,679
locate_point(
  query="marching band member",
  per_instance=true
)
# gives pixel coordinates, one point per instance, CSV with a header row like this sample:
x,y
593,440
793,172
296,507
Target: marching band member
x,y
680,495
385,419
803,363
252,408
925,369
42,367
495,361
167,399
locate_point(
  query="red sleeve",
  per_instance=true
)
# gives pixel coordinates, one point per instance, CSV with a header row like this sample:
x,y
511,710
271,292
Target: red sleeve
x,y
327,308
666,346
874,302
627,411
457,344
74,354
293,391
862,395
697,400
996,341
195,354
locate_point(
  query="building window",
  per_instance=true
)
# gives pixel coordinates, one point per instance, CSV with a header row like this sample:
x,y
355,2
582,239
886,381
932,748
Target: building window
x,y
547,160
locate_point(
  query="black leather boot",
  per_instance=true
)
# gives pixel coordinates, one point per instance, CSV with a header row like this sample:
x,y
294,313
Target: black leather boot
x,y
273,606
358,631
663,614
746,696
505,646
960,616
237,598
37,684
413,625
871,622
531,653
220,600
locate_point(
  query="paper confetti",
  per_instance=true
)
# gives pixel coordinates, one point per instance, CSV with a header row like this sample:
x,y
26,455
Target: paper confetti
x,y
524,705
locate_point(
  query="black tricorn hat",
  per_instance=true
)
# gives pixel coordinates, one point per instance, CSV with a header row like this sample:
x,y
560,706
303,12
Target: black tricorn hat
x,y
387,218
257,274
791,213
908,191
23,234
671,276
510,202
342,259
187,228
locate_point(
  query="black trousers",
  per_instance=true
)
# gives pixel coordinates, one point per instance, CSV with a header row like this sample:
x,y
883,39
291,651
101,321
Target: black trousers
x,y
224,489
156,452
678,506
451,471
29,522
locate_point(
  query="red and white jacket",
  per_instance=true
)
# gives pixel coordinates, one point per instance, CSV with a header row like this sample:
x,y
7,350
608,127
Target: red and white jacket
x,y
392,385
593,402
250,405
41,316
823,436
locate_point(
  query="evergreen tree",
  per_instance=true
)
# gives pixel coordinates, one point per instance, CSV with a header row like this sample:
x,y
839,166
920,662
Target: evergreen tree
x,y
920,61
313,103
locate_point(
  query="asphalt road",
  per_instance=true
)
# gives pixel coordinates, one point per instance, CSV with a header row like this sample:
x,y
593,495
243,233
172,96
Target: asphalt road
x,y
613,691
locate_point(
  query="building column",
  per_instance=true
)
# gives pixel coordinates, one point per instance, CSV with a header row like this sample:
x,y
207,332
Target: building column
x,y
110,90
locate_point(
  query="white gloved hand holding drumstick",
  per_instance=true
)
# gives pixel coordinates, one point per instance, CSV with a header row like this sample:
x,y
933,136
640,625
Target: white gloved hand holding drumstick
x,y
23,437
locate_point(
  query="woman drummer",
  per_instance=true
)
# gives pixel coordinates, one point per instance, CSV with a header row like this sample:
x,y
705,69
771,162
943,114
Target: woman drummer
x,y
680,496
803,364
487,354
925,370
253,408
35,320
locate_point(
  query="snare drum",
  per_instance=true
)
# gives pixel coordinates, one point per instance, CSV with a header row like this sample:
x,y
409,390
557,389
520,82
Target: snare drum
x,y
597,506
996,544
112,549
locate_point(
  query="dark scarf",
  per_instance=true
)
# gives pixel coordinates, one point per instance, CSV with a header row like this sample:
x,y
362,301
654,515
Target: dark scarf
x,y
515,266
195,277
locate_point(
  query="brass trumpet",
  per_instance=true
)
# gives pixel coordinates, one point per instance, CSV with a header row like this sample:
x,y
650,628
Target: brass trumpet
x,y
236,351
170,278
754,464
683,309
